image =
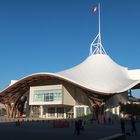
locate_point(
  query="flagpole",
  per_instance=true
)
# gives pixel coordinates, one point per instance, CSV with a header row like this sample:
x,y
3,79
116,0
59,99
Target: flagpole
x,y
99,34
99,16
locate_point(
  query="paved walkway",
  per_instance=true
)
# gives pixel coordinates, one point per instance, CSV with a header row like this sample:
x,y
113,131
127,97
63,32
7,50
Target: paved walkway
x,y
44,130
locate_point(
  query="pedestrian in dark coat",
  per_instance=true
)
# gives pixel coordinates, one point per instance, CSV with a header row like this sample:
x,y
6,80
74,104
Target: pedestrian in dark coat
x,y
133,129
122,125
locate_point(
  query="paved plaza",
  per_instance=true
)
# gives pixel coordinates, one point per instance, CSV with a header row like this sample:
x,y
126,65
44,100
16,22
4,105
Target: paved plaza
x,y
43,130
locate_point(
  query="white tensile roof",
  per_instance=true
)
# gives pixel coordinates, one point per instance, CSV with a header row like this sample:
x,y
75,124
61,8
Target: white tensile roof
x,y
100,73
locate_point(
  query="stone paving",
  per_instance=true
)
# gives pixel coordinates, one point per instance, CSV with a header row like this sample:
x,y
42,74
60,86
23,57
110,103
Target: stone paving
x,y
43,130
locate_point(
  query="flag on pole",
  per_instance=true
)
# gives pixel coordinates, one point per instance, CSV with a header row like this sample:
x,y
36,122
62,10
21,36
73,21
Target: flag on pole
x,y
94,9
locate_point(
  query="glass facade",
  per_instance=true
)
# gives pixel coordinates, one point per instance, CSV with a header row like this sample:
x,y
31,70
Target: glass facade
x,y
89,111
35,111
80,111
51,112
60,112
47,95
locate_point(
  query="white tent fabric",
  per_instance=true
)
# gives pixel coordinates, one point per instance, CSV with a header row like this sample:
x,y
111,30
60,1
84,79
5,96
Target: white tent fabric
x,y
100,73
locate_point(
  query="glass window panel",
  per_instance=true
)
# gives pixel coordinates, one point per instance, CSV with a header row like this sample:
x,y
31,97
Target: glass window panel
x,y
47,95
80,111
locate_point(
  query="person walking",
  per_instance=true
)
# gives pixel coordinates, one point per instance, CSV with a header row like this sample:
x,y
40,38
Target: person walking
x,y
122,125
77,128
109,121
133,129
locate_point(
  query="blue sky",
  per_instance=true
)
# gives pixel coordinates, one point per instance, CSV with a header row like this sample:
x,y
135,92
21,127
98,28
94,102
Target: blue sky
x,y
53,35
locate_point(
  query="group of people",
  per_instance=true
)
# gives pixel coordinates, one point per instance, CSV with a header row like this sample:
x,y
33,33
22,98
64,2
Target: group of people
x,y
17,123
133,126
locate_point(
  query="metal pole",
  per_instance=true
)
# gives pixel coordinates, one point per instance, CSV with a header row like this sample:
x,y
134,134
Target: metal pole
x,y
99,17
100,44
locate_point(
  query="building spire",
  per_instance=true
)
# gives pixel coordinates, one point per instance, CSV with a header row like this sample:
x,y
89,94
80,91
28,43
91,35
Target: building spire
x,y
96,46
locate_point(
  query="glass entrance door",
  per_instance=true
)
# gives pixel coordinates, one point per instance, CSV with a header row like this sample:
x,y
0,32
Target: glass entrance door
x,y
60,112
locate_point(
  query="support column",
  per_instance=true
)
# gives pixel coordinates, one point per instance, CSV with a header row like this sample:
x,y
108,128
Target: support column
x,y
14,107
41,111
28,110
55,112
7,107
85,110
46,113
74,111
64,112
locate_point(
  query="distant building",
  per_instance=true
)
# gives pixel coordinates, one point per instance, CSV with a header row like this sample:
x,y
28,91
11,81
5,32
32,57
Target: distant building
x,y
12,82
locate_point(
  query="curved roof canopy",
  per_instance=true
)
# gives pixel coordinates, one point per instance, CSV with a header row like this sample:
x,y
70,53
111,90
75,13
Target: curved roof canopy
x,y
100,73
